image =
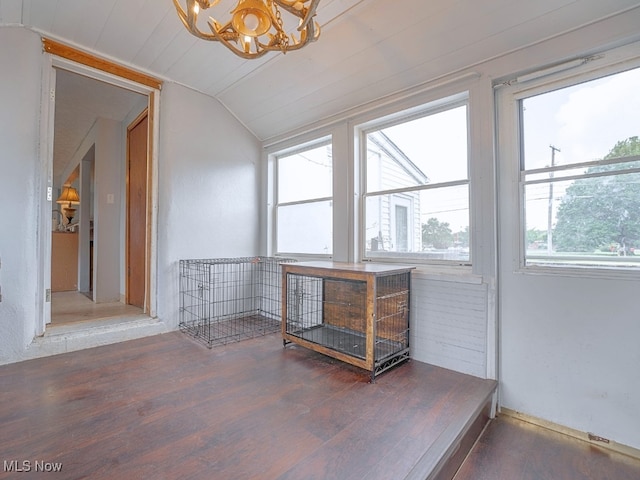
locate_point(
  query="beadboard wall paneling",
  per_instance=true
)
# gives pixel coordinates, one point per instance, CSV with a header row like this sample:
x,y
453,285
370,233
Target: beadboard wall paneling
x,y
449,324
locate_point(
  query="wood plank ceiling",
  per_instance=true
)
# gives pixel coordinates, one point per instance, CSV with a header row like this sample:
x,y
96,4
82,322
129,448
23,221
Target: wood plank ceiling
x,y
368,49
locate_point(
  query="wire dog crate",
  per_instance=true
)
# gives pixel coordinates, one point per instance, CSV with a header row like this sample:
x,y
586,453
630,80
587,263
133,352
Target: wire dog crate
x,y
357,313
226,300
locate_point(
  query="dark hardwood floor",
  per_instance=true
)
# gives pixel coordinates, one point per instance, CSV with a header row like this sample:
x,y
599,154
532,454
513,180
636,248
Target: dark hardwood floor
x,y
165,407
513,449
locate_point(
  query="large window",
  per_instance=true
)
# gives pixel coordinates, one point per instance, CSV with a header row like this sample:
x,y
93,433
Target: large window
x,y
580,174
416,181
304,206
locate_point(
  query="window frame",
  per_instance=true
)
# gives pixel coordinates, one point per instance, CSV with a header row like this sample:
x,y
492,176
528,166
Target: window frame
x,y
298,148
361,130
539,85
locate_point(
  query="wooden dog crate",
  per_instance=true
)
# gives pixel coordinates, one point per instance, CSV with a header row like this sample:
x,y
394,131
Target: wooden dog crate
x,y
356,313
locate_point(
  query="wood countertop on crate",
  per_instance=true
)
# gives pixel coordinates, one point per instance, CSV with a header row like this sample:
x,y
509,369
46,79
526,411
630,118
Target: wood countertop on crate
x,y
355,268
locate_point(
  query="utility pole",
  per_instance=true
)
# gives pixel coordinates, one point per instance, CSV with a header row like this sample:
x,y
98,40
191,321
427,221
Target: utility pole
x,y
550,208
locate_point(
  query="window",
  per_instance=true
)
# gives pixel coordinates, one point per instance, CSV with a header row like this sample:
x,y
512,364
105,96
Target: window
x,y
416,180
580,174
304,210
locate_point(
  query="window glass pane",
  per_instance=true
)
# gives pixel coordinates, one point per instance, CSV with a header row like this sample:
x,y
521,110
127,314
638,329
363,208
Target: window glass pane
x,y
588,215
305,175
306,228
589,221
583,122
429,224
431,149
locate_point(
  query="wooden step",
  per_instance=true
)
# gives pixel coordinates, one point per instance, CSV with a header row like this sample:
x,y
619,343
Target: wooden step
x,y
442,460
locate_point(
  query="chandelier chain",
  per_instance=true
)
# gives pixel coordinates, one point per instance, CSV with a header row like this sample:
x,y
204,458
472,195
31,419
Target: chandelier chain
x,y
283,38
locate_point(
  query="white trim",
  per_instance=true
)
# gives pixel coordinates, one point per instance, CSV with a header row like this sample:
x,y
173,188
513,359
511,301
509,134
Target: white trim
x,y
153,213
585,73
581,272
445,273
44,192
558,68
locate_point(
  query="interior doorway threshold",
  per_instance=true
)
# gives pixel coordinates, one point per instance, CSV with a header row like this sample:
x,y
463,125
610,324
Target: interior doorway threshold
x,y
93,333
82,327
75,307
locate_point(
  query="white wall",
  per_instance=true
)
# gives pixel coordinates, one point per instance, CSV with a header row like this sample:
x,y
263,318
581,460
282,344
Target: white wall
x,y
208,187
104,149
20,57
569,340
570,352
106,210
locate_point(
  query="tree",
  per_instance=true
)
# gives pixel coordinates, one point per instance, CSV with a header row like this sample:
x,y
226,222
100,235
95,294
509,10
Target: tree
x,y
536,236
437,234
462,237
600,211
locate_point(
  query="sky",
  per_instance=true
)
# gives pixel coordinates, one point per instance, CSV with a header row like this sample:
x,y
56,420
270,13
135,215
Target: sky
x,y
437,144
584,122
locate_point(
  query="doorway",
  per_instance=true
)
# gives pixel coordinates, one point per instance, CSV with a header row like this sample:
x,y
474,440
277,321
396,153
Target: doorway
x,y
91,117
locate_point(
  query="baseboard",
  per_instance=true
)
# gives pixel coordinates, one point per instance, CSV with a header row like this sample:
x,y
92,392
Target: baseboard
x,y
584,436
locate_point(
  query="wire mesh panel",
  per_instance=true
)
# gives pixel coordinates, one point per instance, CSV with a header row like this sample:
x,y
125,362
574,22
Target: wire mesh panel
x,y
392,307
229,299
328,312
359,314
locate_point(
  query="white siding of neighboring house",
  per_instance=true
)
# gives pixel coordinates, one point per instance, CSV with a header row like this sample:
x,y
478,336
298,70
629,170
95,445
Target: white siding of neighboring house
x,y
393,176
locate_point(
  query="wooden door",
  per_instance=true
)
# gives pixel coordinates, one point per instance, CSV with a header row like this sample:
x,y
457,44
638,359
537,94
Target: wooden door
x,y
137,156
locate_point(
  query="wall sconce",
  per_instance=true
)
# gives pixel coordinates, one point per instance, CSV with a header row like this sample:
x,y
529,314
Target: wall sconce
x,y
69,196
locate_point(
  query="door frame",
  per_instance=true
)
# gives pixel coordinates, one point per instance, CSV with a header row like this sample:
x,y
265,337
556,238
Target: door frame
x,y
57,55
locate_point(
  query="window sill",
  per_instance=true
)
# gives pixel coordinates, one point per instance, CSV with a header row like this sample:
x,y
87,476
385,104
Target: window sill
x,y
447,274
621,273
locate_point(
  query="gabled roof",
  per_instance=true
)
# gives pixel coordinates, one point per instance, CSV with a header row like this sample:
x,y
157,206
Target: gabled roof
x,y
397,155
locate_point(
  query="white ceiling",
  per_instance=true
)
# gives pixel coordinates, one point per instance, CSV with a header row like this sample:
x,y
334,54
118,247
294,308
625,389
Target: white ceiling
x,y
368,49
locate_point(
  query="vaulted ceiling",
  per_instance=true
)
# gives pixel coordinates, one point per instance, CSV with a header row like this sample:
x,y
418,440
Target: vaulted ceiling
x,y
368,49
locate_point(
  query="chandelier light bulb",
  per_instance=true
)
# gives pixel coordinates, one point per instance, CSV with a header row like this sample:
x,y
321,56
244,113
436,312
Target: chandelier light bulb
x,y
251,22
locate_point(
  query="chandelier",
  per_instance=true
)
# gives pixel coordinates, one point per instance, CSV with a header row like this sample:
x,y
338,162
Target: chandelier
x,y
256,26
